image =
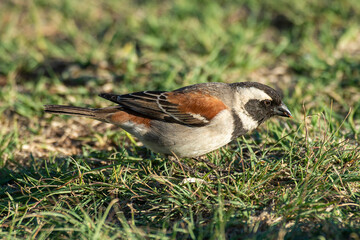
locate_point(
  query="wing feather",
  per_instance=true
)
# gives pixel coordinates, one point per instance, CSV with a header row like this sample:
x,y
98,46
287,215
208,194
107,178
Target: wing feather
x,y
189,108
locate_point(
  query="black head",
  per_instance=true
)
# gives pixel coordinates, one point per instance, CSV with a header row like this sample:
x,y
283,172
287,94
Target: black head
x,y
260,101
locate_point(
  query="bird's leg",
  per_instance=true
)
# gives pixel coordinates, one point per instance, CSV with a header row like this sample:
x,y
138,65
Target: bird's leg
x,y
177,161
192,171
207,162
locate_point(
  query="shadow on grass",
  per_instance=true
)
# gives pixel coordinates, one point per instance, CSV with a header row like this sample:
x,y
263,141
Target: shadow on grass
x,y
72,73
97,75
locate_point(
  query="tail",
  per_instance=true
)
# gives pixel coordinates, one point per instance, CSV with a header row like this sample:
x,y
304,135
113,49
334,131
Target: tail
x,y
101,114
70,110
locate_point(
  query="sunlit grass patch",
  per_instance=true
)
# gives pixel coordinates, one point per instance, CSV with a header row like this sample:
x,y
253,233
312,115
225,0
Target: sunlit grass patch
x,y
68,177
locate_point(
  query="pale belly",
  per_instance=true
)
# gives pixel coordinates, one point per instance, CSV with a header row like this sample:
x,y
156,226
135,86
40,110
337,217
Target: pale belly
x,y
185,141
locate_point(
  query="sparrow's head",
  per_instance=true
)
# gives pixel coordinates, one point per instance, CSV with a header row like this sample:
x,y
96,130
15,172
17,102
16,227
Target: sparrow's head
x,y
261,102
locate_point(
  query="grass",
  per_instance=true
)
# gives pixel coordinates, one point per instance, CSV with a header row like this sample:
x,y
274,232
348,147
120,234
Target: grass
x,y
66,177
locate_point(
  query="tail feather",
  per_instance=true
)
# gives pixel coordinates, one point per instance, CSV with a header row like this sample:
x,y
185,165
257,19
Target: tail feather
x,y
70,110
101,114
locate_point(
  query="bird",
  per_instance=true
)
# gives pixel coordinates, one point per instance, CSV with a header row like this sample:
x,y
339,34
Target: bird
x,y
190,121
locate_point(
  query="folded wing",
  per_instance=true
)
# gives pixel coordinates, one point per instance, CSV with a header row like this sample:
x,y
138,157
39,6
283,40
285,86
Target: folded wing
x,y
188,108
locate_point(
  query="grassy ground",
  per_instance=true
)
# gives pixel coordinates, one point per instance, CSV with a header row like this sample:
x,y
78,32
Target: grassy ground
x,y
64,177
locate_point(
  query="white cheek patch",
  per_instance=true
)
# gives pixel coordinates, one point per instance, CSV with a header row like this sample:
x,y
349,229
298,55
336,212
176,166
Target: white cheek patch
x,y
244,96
247,94
247,121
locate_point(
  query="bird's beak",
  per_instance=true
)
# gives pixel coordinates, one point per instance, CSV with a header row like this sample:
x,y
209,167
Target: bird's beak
x,y
283,111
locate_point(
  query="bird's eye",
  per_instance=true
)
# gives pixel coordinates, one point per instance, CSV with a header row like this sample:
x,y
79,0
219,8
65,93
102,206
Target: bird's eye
x,y
267,103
